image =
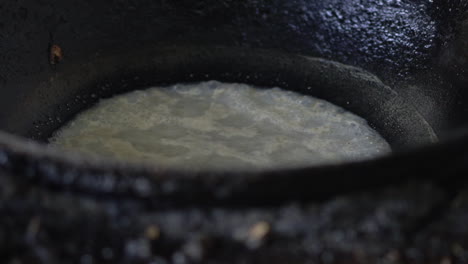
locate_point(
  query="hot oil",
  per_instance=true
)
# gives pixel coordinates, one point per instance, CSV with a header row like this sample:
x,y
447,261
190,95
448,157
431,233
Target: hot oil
x,y
215,126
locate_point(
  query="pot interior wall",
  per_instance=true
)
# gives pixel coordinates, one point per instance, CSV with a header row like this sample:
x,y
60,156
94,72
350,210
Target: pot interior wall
x,y
78,86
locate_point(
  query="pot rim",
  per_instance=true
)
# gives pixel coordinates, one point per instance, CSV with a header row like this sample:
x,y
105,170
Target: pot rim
x,y
147,181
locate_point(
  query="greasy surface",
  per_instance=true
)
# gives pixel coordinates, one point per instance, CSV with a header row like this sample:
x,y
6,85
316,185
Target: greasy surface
x,y
390,225
221,126
380,32
403,42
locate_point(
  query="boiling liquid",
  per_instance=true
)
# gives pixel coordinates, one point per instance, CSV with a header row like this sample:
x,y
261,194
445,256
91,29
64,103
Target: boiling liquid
x,y
218,126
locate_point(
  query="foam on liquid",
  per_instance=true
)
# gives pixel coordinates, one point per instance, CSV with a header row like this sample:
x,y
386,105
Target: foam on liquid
x,y
214,126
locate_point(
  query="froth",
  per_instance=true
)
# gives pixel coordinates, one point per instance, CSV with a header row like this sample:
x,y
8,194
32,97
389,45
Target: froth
x,y
217,126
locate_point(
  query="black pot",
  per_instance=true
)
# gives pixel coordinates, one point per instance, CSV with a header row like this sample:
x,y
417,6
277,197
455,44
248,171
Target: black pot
x,y
61,58
399,64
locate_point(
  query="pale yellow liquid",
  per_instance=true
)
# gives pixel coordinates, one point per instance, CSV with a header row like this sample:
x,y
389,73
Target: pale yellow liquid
x,y
216,126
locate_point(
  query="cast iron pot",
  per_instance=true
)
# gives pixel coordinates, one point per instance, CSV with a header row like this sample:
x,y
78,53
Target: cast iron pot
x,y
399,64
407,78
